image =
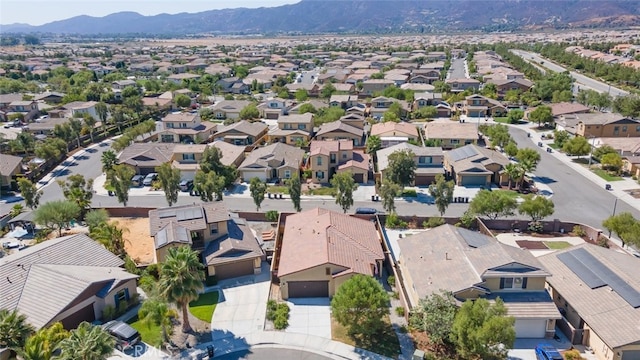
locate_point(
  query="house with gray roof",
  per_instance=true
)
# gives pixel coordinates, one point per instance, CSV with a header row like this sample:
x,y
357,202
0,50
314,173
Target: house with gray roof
x,y
145,157
598,293
275,161
472,165
428,161
242,132
472,265
69,280
10,166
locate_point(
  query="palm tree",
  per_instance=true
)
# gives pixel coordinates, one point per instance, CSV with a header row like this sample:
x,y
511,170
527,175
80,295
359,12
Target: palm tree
x,y
14,329
111,237
108,159
43,343
154,311
181,280
514,171
87,342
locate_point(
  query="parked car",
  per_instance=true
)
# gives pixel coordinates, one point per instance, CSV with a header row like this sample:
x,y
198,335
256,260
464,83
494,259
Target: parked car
x,y
547,352
137,180
126,336
149,179
186,185
366,211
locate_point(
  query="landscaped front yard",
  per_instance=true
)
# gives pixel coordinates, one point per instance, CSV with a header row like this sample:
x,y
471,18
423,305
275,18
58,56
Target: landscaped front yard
x,y
203,307
605,175
385,343
149,332
556,245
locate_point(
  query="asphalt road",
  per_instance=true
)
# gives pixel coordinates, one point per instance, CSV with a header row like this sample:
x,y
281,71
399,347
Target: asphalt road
x,y
269,354
457,69
581,79
576,198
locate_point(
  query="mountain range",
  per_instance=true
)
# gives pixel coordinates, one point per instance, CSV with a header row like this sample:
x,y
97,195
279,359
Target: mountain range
x,y
359,16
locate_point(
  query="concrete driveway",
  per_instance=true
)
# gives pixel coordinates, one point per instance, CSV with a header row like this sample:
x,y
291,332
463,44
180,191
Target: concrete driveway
x,y
310,316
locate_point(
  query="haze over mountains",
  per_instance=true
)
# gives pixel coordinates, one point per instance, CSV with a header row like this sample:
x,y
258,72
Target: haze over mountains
x,y
351,16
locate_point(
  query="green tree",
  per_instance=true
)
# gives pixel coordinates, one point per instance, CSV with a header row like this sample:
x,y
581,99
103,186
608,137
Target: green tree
x,y
111,237
76,129
401,167
344,186
89,124
56,215
373,145
154,311
29,192
483,330
307,108
302,95
103,112
42,344
560,137
493,204
120,179
612,162
625,226
109,159
434,315
511,149
95,218
211,161
442,192
327,90
515,116
87,342
183,100
426,112
208,184
528,160
577,146
181,280
257,188
514,171
541,115
78,190
388,191
16,210
14,329
598,153
249,112
390,116
360,305
295,190
536,207
169,178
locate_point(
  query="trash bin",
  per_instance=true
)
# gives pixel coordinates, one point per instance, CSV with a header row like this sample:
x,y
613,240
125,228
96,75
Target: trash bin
x,y
373,198
607,187
528,134
210,351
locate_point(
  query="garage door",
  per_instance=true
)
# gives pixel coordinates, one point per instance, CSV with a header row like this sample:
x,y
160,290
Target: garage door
x,y
236,269
631,355
248,175
85,314
359,178
530,328
302,289
424,180
470,180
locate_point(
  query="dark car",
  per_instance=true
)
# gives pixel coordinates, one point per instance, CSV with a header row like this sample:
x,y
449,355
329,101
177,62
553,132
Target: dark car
x,y
186,185
137,180
547,352
126,336
366,211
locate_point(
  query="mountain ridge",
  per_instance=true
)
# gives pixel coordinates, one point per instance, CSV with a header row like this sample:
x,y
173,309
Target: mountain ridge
x,y
349,16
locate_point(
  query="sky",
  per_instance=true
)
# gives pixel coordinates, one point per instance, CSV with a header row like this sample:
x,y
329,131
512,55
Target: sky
x,y
38,12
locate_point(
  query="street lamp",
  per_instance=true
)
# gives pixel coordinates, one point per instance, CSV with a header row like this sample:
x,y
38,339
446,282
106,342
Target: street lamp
x,y
615,204
593,144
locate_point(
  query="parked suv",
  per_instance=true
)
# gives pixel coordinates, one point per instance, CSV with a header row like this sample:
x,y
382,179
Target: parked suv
x,y
149,179
186,185
547,352
126,336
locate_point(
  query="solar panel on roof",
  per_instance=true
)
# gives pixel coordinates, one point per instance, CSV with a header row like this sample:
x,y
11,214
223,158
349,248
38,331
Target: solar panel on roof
x,y
585,274
189,214
462,153
163,214
474,239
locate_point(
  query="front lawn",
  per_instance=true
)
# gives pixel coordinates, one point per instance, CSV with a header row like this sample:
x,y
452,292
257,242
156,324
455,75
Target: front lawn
x,y
150,333
385,343
204,305
511,193
276,189
556,245
325,190
502,120
409,193
605,175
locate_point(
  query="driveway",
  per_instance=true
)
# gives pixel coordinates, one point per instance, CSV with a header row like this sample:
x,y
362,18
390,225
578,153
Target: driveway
x,y
310,316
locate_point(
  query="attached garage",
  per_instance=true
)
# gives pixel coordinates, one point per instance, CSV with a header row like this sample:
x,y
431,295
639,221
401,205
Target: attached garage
x,y
474,180
424,180
530,328
85,314
630,355
234,269
248,175
306,289
358,178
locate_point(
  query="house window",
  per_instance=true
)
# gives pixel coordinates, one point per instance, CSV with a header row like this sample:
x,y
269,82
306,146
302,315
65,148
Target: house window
x,y
214,228
183,125
454,141
319,174
624,129
302,127
319,160
344,156
166,138
638,128
121,296
513,283
327,271
332,158
287,126
287,174
425,160
188,156
169,125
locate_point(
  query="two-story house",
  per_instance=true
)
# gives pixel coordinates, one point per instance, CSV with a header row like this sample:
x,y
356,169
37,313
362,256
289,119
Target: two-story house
x,y
428,161
242,132
185,127
381,104
372,86
293,129
339,130
228,109
460,85
329,157
28,109
392,133
606,125
272,162
227,244
505,85
273,108
343,101
472,265
472,165
450,135
186,158
481,106
424,76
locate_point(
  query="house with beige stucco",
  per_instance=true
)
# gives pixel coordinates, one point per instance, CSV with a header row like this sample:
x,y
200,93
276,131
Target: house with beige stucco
x,y
329,157
273,162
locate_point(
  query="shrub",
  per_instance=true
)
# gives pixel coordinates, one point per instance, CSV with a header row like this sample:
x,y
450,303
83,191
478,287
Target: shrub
x,y
572,355
272,215
535,226
108,313
410,193
147,283
391,280
278,313
122,308
394,222
396,295
578,231
602,241
400,311
281,322
433,222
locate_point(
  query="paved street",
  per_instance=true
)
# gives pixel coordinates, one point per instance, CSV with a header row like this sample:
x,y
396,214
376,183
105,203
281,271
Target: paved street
x,y
581,79
273,353
457,70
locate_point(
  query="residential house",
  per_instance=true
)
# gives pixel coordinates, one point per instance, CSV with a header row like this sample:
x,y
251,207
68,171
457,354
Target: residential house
x,y
321,249
450,135
179,78
424,76
381,104
232,155
273,108
354,119
505,85
50,97
631,165
625,146
185,127
343,101
10,166
329,157
472,165
392,133
607,125
313,90
69,280
242,132
145,157
227,245
598,297
566,108
122,84
80,108
460,85
481,106
228,109
339,130
272,162
45,126
372,86
186,158
28,109
317,104
484,268
293,129
428,161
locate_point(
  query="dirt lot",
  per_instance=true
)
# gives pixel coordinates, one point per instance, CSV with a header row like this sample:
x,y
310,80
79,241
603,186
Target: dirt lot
x,y
137,242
